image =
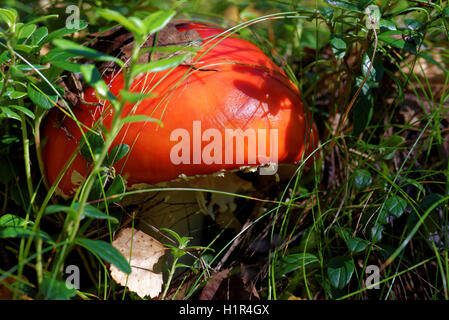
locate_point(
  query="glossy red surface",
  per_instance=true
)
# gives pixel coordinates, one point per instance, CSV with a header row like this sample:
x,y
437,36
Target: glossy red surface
x,y
248,91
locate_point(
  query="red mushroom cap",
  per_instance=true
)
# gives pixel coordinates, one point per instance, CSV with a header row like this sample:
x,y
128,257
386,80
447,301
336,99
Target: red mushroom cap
x,y
234,86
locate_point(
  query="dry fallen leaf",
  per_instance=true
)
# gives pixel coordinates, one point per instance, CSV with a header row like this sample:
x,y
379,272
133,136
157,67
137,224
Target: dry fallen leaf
x,y
212,285
145,252
118,42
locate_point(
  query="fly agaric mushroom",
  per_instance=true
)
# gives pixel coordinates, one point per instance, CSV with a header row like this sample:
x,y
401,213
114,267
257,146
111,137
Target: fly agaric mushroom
x,y
229,108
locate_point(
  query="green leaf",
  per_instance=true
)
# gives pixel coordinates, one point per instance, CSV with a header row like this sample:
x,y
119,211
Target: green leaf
x,y
20,232
10,220
41,96
182,265
339,271
384,217
393,38
25,32
377,70
346,5
177,252
159,65
56,289
355,244
363,107
116,188
413,24
330,291
395,206
171,49
93,144
26,67
93,78
134,97
24,110
107,252
59,33
338,47
39,35
43,18
89,211
142,118
17,73
138,24
362,4
58,55
390,146
25,48
327,13
12,94
293,262
8,16
386,25
118,17
396,38
117,153
4,57
59,58
65,65
362,179
54,208
98,186
446,11
79,50
158,20
376,232
174,234
8,113
94,213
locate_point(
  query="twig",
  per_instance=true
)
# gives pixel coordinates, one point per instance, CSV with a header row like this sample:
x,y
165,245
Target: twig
x,y
233,246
